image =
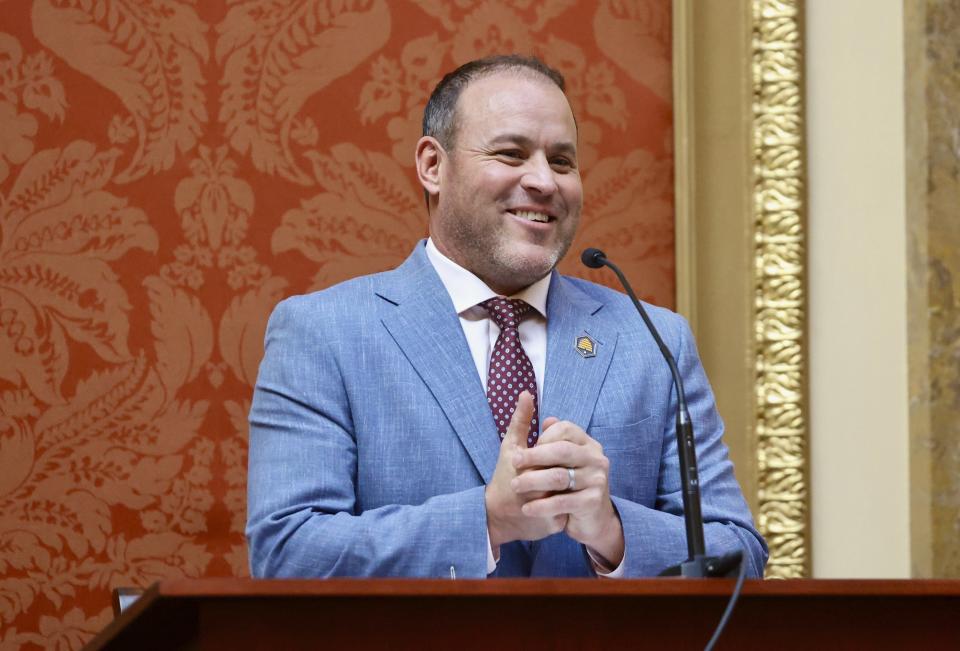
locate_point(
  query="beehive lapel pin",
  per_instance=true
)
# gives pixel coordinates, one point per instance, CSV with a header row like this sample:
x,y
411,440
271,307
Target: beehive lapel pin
x,y
586,346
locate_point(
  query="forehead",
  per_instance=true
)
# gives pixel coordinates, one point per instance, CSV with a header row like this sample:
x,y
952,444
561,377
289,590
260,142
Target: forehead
x,y
509,101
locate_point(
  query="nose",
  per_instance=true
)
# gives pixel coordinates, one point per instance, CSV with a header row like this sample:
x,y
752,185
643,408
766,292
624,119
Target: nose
x,y
538,176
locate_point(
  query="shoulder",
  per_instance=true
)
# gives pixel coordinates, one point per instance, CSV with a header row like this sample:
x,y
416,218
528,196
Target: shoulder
x,y
363,296
350,300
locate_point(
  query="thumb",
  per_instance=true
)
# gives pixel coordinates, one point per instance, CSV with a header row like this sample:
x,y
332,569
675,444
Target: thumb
x,y
520,422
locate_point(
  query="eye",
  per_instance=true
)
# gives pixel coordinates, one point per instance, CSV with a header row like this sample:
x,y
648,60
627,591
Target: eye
x,y
561,163
510,155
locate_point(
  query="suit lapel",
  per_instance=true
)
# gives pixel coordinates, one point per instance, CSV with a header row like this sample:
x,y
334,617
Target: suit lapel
x,y
573,382
427,330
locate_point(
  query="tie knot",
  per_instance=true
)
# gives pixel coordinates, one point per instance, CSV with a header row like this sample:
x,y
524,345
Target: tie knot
x,y
507,312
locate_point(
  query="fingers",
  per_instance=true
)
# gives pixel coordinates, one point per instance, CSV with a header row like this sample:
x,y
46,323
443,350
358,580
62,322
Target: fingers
x,y
561,453
542,481
574,504
547,481
562,430
519,425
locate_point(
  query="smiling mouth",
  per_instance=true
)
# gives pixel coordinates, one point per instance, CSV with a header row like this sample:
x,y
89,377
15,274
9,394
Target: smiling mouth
x,y
533,216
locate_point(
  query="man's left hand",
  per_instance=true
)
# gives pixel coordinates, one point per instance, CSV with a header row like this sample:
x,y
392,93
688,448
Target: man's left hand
x,y
544,468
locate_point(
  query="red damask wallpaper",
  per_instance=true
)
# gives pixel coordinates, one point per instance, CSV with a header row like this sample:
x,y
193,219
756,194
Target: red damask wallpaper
x,y
168,171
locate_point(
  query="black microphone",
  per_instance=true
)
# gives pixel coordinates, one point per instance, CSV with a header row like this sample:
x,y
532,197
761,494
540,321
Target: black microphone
x,y
593,258
698,564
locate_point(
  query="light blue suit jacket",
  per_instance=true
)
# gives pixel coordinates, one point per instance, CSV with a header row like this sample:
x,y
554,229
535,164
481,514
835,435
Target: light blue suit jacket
x,y
371,439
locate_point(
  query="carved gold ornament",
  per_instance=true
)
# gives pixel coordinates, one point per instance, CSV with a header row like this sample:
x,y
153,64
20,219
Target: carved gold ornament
x,y
779,286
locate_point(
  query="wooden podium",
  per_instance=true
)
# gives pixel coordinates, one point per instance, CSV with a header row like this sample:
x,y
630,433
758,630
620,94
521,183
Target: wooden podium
x,y
534,614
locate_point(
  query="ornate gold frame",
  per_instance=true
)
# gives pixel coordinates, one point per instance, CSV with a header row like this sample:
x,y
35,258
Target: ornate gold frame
x,y
740,196
780,285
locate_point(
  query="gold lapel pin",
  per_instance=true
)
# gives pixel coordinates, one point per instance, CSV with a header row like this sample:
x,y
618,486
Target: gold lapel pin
x,y
586,346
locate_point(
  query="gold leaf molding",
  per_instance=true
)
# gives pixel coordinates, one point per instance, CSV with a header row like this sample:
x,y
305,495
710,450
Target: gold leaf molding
x,y
779,285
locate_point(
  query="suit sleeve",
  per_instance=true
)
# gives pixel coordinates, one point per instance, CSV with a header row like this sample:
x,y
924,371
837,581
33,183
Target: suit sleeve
x,y
656,538
304,519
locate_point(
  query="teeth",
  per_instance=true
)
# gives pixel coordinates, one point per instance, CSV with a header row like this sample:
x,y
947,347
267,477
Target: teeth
x,y
532,216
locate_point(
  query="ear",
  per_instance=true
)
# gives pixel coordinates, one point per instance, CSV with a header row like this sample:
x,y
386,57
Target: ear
x,y
430,156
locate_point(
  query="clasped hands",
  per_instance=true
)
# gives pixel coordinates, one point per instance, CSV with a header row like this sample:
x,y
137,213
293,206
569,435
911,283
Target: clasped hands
x,y
528,497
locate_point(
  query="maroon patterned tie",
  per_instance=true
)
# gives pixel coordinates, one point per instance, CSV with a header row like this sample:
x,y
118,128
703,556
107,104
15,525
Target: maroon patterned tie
x,y
510,369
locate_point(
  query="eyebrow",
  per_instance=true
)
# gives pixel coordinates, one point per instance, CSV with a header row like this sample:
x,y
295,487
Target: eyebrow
x,y
562,147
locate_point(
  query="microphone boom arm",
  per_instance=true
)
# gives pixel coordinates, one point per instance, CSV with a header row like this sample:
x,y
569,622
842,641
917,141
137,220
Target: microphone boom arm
x,y
698,564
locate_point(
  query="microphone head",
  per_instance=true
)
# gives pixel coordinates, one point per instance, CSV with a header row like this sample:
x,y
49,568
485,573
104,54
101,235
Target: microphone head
x,y
593,258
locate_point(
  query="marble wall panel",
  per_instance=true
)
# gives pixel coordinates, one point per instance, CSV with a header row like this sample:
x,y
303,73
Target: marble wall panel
x,y
933,222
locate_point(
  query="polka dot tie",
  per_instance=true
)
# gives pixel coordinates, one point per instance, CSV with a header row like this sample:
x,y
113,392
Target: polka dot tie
x,y
510,369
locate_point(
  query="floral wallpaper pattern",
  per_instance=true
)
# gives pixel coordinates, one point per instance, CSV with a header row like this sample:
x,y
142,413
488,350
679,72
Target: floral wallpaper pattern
x,y
170,169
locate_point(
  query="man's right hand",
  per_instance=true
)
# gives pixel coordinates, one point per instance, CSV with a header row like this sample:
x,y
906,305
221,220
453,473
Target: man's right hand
x,y
505,520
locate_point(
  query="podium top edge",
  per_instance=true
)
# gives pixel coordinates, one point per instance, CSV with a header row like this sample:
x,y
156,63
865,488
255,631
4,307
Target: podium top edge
x,y
241,587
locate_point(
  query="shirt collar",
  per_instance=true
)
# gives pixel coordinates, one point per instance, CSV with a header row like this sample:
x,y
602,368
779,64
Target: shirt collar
x,y
466,290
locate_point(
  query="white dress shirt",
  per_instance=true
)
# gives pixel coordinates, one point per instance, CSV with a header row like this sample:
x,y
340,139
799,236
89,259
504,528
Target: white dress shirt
x,y
467,291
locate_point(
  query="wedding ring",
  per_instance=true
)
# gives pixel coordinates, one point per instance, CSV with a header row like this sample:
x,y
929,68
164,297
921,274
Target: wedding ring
x,y
572,481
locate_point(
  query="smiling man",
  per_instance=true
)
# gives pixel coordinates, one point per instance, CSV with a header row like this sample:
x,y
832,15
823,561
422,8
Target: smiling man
x,y
473,413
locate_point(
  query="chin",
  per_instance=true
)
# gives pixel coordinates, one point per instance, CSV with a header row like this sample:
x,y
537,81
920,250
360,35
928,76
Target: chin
x,y
526,267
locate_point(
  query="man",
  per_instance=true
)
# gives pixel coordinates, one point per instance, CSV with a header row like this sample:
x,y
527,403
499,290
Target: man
x,y
374,447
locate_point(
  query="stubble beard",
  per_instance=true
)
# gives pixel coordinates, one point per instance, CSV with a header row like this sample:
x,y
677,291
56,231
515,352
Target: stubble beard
x,y
500,262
